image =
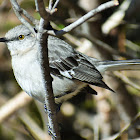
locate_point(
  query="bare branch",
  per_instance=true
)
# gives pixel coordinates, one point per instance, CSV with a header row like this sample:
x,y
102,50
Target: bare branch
x,y
90,14
50,4
13,105
44,61
27,15
55,5
18,11
42,11
36,5
49,97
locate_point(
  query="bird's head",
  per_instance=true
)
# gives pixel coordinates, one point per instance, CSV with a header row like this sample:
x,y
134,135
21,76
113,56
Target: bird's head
x,y
19,40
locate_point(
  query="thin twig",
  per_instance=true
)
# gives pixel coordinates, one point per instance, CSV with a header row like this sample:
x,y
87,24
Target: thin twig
x,y
55,5
50,4
18,11
87,16
36,5
27,15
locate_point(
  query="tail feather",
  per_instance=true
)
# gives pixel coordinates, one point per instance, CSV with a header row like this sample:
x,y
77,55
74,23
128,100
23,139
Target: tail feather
x,y
103,66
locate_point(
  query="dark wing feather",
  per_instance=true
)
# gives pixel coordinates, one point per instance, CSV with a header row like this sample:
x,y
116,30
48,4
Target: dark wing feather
x,y
64,61
80,69
87,72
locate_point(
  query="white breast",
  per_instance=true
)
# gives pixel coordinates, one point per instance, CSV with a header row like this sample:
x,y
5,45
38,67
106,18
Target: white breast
x,y
28,75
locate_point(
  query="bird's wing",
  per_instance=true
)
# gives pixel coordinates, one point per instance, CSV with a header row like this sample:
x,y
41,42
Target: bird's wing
x,y
79,68
67,62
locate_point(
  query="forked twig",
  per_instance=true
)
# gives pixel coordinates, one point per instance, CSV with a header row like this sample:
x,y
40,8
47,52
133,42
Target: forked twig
x,y
18,11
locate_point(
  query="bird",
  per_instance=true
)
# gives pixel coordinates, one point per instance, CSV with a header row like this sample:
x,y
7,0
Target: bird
x,y
71,70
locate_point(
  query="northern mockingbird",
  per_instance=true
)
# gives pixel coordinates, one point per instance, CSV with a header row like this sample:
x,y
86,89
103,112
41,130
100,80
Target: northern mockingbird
x,y
71,70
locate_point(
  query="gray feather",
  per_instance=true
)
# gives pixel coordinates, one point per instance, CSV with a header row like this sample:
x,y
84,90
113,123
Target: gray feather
x,y
73,62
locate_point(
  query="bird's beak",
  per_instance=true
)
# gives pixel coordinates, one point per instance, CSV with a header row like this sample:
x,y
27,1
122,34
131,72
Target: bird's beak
x,y
3,39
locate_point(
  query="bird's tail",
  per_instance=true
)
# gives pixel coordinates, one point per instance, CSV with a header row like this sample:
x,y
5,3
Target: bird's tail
x,y
103,66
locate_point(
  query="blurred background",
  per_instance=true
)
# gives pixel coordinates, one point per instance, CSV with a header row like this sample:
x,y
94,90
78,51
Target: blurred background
x,y
113,34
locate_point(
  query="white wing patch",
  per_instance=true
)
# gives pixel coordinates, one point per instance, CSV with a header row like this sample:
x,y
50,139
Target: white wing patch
x,y
68,73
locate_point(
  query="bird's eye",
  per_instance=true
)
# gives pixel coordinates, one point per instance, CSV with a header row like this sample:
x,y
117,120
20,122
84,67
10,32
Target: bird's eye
x,y
21,37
